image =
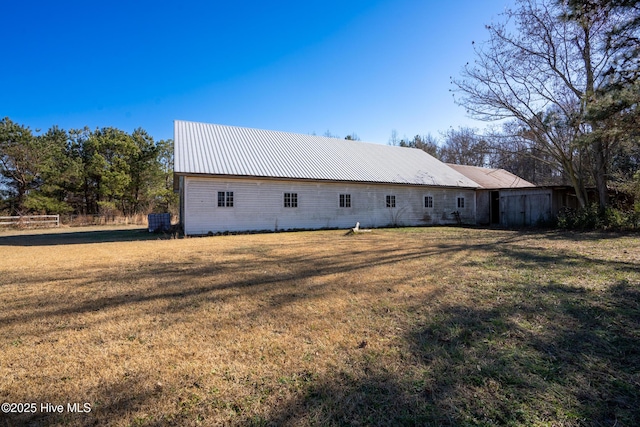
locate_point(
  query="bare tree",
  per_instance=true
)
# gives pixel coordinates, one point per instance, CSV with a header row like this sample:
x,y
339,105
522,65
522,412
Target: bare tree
x,y
543,70
427,143
464,147
509,150
393,139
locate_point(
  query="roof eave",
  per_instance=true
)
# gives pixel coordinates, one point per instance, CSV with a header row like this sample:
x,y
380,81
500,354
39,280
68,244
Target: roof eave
x,y
283,178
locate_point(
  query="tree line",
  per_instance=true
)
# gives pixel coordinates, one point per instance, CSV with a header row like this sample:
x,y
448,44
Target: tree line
x,y
469,146
560,81
105,171
562,77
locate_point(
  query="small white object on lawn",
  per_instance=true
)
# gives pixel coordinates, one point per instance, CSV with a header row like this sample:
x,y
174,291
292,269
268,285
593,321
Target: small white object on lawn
x,y
357,229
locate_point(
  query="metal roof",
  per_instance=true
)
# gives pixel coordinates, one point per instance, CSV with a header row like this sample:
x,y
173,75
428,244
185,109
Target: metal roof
x,y
211,149
492,178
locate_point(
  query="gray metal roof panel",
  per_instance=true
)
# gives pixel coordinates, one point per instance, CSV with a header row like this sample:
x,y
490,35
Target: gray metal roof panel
x,y
212,149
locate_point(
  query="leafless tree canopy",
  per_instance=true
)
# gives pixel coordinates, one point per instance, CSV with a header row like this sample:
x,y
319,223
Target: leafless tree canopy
x,y
544,68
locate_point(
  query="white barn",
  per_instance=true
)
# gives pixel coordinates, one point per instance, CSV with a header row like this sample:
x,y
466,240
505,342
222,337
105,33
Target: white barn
x,y
241,179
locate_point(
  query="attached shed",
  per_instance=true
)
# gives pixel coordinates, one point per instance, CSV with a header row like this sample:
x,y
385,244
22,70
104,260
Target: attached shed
x,y
506,199
240,179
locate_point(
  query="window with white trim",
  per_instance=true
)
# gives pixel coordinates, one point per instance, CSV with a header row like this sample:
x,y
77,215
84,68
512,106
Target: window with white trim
x,y
290,200
345,200
225,199
428,201
391,201
460,202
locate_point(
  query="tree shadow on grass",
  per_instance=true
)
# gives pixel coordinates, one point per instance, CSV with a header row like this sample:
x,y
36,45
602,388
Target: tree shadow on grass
x,y
589,236
533,353
113,401
374,400
560,356
81,237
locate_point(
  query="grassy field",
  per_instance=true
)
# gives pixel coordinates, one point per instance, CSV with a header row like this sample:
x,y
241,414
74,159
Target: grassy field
x,y
425,326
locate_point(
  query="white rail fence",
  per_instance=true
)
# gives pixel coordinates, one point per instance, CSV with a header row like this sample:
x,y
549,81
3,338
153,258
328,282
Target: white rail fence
x,y
30,221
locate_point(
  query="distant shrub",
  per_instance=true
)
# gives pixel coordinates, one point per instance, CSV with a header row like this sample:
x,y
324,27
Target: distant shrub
x,y
592,218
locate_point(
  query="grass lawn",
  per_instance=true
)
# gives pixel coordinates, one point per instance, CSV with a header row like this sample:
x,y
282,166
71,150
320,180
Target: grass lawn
x,y
419,326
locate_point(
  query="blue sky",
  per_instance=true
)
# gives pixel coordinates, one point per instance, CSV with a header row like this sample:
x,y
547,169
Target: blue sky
x,y
306,66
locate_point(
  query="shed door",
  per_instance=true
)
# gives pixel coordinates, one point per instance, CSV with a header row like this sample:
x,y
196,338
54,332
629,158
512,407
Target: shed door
x,y
513,209
539,208
525,209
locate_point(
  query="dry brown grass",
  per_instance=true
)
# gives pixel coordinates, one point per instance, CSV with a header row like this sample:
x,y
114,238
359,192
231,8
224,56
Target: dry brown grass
x,y
109,220
433,326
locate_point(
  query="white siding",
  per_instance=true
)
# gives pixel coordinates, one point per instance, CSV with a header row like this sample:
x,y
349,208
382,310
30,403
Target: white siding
x,y
259,205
